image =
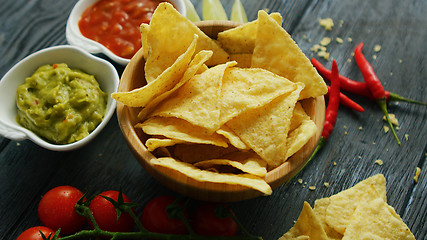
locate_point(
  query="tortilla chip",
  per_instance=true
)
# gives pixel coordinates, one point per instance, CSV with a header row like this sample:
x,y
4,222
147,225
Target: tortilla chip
x,y
154,143
247,162
192,153
342,205
300,135
277,52
244,89
376,220
297,116
320,206
197,101
140,97
170,35
179,129
265,129
243,60
196,65
232,137
241,39
188,170
144,28
307,225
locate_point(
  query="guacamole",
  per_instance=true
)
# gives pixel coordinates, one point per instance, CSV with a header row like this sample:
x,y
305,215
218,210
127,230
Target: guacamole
x,y
60,104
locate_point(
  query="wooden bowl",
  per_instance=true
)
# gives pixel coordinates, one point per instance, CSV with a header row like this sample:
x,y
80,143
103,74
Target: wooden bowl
x,y
133,77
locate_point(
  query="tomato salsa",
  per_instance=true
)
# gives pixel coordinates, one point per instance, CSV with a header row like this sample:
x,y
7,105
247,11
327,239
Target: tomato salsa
x,y
115,24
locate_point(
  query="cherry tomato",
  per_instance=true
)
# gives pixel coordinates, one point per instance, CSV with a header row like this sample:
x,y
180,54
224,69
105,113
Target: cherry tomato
x,y
105,213
206,222
34,233
56,209
155,218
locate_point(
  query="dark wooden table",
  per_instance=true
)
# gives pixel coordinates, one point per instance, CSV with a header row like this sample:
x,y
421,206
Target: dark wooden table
x,y
27,171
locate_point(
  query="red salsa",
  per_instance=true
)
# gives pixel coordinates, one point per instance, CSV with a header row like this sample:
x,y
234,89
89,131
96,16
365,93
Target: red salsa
x,y
115,24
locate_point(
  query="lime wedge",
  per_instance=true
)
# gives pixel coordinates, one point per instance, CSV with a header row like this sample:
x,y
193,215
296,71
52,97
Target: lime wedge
x,y
191,12
238,13
213,10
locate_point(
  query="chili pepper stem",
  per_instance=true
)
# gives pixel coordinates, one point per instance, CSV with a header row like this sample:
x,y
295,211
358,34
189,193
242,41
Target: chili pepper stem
x,y
383,105
319,146
397,98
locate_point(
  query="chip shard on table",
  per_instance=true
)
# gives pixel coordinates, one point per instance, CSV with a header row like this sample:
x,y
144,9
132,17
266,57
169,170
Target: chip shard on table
x,y
360,212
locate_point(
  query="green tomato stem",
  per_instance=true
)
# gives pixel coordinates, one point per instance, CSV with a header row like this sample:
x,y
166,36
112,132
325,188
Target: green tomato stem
x,y
143,233
137,222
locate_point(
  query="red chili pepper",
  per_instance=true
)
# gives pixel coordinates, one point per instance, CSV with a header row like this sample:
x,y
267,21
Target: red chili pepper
x,y
374,84
360,88
333,104
346,101
330,114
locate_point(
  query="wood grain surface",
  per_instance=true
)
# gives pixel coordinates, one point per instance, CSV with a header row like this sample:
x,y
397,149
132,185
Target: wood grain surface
x,y
28,171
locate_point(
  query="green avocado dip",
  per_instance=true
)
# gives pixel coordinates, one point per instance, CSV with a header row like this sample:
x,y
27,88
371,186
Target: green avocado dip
x,y
60,104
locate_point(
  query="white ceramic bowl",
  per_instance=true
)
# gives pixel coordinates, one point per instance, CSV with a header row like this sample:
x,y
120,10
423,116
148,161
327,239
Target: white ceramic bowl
x,y
74,57
75,37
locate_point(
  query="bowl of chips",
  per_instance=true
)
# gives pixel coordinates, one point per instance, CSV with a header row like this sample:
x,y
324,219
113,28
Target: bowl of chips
x,y
207,111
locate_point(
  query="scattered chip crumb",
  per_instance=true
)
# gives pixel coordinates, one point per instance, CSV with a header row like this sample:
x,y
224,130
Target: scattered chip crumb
x,y
312,188
373,143
339,40
326,184
391,73
386,129
349,39
335,163
377,48
321,51
349,60
379,162
406,137
417,174
325,41
360,157
393,119
324,55
374,57
18,144
300,180
360,128
400,61
326,23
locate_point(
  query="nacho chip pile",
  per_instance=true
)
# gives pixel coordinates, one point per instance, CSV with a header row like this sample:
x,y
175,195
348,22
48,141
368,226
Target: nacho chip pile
x,y
227,110
360,212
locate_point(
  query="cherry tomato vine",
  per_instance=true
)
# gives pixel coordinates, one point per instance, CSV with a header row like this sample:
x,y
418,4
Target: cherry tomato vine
x,y
111,215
